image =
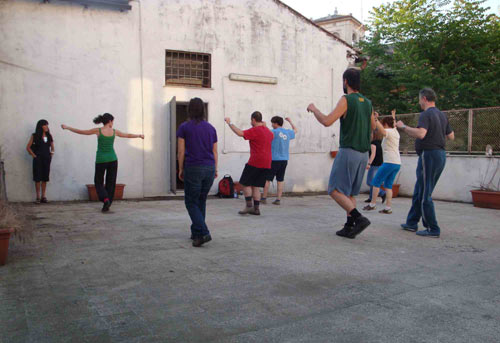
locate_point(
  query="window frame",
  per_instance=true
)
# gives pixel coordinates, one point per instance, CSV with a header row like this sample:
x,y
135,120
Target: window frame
x,y
180,69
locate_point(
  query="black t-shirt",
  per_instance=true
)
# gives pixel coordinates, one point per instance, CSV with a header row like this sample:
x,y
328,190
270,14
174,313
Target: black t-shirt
x,y
437,126
379,157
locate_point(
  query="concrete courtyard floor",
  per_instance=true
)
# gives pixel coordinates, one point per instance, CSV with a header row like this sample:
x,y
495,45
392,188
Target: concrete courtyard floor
x,y
133,276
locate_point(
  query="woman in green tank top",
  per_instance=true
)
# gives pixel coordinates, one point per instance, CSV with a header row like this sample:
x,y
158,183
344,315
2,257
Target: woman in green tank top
x,y
106,161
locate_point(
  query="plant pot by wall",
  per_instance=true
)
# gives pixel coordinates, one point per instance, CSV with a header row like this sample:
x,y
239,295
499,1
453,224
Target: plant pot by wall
x,y
333,153
486,199
4,244
395,189
119,188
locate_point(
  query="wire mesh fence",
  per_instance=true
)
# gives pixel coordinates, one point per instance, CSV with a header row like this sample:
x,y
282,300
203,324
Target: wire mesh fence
x,y
475,129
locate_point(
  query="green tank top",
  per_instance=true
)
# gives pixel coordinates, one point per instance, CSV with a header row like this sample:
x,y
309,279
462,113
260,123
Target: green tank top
x,y
355,127
105,150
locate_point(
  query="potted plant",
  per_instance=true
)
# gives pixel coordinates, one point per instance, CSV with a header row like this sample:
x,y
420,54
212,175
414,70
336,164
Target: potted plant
x,y
488,194
12,222
119,188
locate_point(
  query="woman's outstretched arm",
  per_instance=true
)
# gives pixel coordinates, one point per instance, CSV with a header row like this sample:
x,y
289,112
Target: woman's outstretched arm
x,y
93,131
127,135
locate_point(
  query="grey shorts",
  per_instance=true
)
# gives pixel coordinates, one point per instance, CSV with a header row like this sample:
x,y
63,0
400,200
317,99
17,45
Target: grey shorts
x,y
348,171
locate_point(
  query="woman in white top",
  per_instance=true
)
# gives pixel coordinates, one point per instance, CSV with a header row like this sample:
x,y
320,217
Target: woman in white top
x,y
392,162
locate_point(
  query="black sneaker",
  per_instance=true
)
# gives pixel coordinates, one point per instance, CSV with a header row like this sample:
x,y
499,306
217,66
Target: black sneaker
x,y
198,242
368,200
105,207
346,232
207,238
359,225
383,198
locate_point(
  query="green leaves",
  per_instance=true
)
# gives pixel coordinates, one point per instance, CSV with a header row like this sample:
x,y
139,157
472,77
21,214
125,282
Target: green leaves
x,y
451,47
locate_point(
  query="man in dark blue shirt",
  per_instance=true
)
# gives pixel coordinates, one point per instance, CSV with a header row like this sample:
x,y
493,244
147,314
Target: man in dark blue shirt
x,y
431,133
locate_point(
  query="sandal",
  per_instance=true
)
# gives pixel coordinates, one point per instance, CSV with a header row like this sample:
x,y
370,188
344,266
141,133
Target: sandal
x,y
37,201
44,200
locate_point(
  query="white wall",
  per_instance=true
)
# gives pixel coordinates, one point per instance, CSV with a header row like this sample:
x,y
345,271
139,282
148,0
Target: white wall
x,y
66,64
345,29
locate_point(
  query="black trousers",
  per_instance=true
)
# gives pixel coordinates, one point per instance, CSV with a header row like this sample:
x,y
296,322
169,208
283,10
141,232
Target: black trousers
x,y
108,190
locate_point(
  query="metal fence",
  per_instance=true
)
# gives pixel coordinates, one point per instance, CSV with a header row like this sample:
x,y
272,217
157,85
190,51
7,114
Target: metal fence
x,y
474,130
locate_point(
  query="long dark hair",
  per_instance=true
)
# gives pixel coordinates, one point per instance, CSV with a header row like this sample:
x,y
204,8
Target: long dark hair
x,y
104,118
196,109
37,136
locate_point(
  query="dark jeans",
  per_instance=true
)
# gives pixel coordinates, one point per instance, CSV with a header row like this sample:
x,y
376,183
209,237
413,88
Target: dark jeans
x,y
369,178
197,183
108,191
430,166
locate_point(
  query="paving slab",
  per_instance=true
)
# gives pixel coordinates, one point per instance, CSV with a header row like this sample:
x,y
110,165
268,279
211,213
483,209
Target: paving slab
x,y
131,275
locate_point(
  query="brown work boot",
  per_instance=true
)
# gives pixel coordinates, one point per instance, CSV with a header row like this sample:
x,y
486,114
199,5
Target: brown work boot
x,y
255,211
246,210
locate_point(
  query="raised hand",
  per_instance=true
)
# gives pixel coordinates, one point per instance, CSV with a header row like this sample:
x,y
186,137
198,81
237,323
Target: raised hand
x,y
311,108
64,127
227,120
400,124
288,119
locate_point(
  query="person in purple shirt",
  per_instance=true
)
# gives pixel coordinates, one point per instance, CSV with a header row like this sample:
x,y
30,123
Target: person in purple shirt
x,y
197,154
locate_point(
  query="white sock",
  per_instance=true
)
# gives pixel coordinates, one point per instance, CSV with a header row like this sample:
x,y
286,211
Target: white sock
x,y
373,204
388,208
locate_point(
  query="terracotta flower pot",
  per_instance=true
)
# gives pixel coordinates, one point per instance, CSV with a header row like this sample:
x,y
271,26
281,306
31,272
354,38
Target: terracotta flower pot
x,y
486,199
4,244
395,190
119,188
238,187
333,153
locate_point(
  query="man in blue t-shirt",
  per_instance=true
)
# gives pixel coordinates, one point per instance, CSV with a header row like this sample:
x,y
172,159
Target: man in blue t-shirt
x,y
280,147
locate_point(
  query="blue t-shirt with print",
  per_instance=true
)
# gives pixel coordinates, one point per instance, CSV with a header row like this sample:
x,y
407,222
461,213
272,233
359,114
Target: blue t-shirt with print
x,y
281,143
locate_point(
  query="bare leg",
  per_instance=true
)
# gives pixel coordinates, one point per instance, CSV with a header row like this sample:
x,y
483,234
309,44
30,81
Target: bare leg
x,y
256,193
37,189
376,190
44,187
388,192
281,185
266,189
247,191
347,203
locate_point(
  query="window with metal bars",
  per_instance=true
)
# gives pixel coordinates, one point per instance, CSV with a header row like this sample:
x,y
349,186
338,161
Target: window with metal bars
x,y
183,68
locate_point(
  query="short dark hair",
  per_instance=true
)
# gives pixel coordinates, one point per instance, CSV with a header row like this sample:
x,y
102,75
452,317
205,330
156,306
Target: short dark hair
x,y
353,77
196,109
277,120
428,93
257,116
389,121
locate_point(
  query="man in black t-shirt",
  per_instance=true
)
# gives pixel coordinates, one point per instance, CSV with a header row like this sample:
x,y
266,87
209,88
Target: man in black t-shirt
x,y
431,133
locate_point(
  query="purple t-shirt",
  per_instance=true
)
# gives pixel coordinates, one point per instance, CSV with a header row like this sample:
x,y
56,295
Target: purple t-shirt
x,y
200,138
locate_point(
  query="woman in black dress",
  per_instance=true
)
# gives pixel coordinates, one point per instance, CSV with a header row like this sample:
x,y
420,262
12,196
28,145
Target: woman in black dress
x,y
41,148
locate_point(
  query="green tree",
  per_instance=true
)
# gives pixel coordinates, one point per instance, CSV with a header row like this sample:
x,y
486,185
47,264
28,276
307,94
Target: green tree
x,y
453,48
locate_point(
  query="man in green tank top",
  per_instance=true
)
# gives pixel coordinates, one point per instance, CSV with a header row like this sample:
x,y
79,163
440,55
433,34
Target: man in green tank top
x,y
356,123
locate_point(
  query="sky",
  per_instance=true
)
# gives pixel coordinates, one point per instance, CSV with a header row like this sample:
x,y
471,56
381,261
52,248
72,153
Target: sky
x,y
359,8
